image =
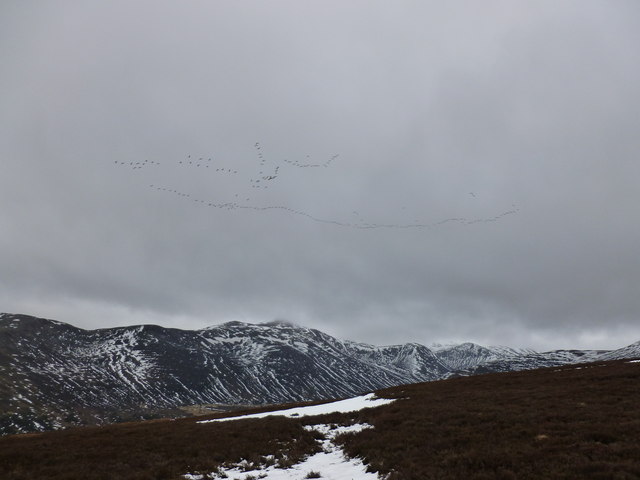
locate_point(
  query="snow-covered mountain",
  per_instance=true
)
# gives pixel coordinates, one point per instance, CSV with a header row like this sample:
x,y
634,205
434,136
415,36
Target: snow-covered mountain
x,y
630,351
53,374
529,360
468,355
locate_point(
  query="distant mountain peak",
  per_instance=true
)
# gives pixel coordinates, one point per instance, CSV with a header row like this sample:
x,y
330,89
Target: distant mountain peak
x,y
271,324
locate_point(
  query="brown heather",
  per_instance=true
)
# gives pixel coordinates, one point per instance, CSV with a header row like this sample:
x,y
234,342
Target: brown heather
x,y
155,449
557,423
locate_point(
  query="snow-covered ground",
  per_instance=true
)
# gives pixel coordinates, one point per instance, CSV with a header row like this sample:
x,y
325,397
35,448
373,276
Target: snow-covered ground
x,y
340,406
329,464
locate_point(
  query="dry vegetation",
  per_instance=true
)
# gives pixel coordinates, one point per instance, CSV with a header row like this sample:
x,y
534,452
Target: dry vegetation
x,y
157,449
560,423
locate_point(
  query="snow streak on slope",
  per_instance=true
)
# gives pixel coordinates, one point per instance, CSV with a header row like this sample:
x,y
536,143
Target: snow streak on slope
x,y
340,406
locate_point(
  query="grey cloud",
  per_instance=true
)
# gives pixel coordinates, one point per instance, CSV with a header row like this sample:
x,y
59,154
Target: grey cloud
x,y
436,113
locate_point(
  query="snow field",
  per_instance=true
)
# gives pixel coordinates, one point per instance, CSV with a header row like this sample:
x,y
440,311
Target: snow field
x,y
340,406
330,464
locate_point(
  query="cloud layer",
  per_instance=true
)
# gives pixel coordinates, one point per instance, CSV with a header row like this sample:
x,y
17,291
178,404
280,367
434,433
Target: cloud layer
x,y
502,137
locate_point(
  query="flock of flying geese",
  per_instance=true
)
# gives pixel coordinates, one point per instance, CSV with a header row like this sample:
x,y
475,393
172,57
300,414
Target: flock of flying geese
x,y
265,177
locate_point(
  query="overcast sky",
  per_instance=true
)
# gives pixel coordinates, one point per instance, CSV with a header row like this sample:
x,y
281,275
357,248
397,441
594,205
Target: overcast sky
x,y
444,171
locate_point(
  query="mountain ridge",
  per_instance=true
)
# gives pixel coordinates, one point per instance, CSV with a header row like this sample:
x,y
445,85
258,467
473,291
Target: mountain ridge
x,y
53,374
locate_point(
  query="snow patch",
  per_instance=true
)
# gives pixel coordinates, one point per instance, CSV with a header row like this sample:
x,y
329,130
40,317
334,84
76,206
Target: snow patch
x,y
331,463
340,406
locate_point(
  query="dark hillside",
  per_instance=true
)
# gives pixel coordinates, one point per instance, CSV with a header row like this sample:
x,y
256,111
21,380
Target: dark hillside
x,y
557,423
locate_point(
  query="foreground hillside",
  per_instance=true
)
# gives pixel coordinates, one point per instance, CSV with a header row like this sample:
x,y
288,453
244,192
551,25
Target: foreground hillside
x,y
555,423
